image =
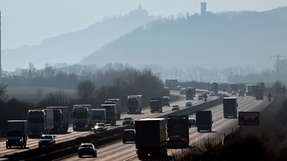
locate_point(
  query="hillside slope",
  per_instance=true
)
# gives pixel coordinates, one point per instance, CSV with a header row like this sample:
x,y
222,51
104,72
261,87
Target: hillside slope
x,y
72,47
215,40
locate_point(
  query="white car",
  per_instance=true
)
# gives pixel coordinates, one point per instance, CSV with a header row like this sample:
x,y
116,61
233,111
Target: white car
x,y
100,127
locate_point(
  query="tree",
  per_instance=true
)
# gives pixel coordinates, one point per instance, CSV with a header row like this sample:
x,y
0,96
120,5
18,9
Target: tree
x,y
3,95
86,89
55,99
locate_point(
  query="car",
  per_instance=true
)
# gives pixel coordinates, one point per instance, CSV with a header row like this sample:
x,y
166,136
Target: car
x,y
87,149
128,122
211,94
188,104
175,108
129,136
99,127
192,122
46,140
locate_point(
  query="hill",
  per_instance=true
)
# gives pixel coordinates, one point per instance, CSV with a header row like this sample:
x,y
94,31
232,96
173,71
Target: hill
x,y
213,40
72,47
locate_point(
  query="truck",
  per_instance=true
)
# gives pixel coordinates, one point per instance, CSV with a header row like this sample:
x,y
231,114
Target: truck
x,y
251,90
204,121
110,113
151,138
155,105
63,124
171,84
134,104
230,107
214,87
165,101
16,133
259,91
36,120
118,103
49,120
81,117
98,115
178,132
190,93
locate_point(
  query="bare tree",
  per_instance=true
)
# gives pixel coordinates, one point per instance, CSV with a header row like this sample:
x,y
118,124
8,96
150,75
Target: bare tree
x,y
86,89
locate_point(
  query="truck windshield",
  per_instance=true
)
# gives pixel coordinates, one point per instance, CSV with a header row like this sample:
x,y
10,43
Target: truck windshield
x,y
132,102
36,119
98,116
80,114
14,133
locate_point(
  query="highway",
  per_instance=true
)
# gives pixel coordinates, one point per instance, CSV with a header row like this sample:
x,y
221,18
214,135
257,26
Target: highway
x,y
33,143
118,151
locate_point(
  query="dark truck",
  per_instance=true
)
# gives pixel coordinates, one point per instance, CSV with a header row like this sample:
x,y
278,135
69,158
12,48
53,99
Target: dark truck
x,y
178,132
156,105
190,93
16,133
230,107
204,121
259,91
151,138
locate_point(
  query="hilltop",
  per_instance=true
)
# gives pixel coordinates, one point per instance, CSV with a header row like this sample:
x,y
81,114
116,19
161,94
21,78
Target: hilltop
x,y
213,40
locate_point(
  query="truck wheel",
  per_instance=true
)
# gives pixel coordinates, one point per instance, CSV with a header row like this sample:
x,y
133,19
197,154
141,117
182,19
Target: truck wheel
x,y
141,155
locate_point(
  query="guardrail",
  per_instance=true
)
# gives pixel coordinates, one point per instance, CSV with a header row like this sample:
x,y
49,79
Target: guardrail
x,y
67,148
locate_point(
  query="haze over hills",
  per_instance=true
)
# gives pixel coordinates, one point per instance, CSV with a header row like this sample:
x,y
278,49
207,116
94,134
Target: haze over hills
x,y
211,40
72,47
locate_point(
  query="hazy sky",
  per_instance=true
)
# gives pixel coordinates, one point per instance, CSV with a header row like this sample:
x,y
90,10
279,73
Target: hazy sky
x,y
30,21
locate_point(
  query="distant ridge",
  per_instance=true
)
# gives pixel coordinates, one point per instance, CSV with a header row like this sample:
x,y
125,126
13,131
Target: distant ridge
x,y
72,47
215,40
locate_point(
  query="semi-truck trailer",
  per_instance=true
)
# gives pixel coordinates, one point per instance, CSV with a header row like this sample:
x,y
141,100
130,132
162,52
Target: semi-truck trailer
x,y
98,116
134,104
49,120
166,101
204,121
178,132
190,93
36,123
81,118
62,118
118,103
16,133
155,105
111,112
230,107
151,138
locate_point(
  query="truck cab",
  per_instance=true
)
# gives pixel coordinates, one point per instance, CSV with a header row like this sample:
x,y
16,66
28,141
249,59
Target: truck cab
x,y
230,107
178,132
81,118
156,105
204,121
151,138
16,133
